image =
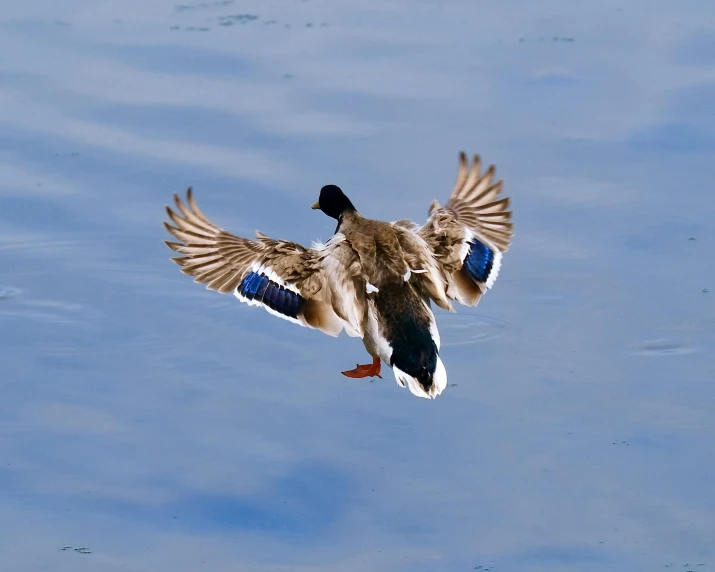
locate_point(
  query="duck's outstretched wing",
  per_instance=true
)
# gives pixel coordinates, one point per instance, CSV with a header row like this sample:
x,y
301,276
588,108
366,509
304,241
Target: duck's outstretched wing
x,y
314,287
469,235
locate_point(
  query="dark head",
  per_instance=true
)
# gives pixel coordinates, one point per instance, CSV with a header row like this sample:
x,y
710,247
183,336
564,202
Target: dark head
x,y
333,202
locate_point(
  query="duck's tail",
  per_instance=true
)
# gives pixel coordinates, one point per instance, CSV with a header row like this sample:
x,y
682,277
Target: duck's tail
x,y
407,326
416,387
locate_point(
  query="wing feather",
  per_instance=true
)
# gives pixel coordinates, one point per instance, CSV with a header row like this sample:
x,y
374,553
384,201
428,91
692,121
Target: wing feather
x,y
422,263
327,277
474,211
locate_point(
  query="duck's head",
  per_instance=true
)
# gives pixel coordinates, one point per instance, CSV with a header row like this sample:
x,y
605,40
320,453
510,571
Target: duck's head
x,y
333,202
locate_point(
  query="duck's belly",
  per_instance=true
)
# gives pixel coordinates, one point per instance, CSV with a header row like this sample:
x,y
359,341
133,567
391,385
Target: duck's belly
x,y
375,342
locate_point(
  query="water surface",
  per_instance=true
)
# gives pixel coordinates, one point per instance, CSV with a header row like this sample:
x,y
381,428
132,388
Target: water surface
x,y
146,424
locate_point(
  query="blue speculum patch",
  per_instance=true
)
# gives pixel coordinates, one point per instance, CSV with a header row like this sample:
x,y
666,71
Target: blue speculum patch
x,y
479,261
258,287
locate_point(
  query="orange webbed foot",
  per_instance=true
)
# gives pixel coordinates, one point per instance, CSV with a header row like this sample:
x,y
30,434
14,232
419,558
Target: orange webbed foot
x,y
372,370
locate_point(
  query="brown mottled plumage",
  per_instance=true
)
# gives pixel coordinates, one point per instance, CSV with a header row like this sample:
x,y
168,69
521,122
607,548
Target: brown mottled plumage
x,y
324,277
473,207
373,278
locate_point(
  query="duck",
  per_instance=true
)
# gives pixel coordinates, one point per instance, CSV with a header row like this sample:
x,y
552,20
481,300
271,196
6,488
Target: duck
x,y
376,280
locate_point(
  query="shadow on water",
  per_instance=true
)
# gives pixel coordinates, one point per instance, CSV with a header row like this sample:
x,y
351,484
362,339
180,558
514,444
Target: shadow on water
x,y
301,506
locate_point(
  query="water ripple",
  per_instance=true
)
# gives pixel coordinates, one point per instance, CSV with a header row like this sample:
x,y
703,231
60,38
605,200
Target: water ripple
x,y
8,292
662,348
459,330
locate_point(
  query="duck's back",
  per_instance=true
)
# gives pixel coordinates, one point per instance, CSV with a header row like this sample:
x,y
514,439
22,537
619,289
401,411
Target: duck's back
x,y
378,247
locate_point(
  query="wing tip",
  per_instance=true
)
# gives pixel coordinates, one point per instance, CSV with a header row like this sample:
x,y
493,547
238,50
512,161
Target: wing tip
x,y
171,229
175,246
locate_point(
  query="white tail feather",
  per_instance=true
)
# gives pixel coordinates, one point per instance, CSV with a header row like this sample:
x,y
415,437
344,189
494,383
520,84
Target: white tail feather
x,y
439,381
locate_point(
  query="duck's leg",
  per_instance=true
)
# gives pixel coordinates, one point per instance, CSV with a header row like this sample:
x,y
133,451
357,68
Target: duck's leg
x,y
372,370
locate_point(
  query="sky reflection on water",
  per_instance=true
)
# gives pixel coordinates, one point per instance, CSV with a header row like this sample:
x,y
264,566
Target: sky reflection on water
x,y
165,427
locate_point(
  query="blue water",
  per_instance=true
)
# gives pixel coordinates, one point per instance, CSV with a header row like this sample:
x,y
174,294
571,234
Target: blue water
x,y
147,424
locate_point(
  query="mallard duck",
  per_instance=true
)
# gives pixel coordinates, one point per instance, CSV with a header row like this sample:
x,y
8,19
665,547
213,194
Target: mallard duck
x,y
374,279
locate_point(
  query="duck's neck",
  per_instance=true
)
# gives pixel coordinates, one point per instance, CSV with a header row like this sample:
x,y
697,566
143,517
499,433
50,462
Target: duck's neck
x,y
347,214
